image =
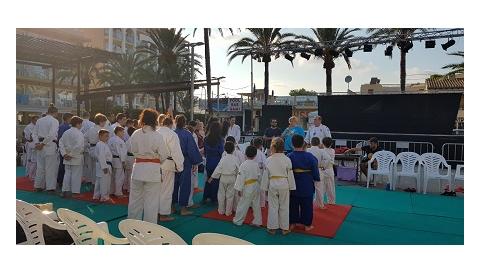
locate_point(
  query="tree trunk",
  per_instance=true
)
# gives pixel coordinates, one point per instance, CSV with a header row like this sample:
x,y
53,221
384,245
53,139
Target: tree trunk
x,y
130,102
163,103
208,71
157,104
328,72
403,73
174,103
265,89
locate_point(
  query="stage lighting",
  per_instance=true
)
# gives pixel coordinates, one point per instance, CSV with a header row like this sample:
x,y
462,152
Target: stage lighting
x,y
289,57
348,52
430,44
388,51
305,55
448,44
318,52
367,48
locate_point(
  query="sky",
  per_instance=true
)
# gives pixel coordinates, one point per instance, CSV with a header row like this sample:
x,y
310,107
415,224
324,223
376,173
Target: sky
x,y
309,74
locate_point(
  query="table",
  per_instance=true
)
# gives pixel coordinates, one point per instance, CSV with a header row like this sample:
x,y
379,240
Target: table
x,y
351,158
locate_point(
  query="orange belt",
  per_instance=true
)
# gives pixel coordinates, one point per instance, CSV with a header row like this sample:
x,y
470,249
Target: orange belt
x,y
140,160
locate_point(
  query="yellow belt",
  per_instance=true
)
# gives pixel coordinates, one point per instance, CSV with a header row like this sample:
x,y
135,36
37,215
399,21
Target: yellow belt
x,y
250,181
278,177
299,170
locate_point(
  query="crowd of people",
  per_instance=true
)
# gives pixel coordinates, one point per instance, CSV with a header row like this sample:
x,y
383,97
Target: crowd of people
x,y
156,161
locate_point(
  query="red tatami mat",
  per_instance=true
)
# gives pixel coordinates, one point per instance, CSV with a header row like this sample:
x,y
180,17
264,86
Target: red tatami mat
x,y
326,222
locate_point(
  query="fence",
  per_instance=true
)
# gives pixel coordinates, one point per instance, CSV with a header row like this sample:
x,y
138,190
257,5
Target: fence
x,y
393,146
453,152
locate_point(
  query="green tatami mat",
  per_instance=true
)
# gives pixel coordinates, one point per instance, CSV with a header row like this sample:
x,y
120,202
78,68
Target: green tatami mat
x,y
20,171
201,225
438,205
345,195
406,220
260,236
103,212
385,200
361,233
58,202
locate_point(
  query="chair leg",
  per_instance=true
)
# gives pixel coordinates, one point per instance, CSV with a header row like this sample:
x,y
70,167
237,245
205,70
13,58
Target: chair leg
x,y
425,184
368,179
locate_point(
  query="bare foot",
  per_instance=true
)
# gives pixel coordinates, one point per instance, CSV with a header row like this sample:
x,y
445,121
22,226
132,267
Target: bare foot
x,y
285,232
292,226
194,206
271,231
164,218
185,212
310,227
322,207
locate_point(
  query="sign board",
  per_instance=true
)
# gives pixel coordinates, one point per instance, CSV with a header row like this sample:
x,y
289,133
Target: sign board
x,y
234,104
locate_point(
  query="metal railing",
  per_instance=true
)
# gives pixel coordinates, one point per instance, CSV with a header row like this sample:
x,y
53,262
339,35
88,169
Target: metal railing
x,y
393,146
453,152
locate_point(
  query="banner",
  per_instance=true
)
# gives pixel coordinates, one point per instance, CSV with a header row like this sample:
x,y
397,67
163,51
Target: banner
x,y
234,104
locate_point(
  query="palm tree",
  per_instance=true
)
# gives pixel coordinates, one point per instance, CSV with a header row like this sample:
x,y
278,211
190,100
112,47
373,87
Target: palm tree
x,y
402,40
266,43
206,39
122,69
333,42
170,53
455,68
88,73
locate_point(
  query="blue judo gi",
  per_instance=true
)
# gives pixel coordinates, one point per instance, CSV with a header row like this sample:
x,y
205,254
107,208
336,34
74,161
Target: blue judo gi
x,y
213,155
183,180
305,171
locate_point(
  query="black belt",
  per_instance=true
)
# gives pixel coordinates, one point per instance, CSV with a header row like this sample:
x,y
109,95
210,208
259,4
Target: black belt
x,y
170,158
129,154
109,163
41,139
115,156
92,145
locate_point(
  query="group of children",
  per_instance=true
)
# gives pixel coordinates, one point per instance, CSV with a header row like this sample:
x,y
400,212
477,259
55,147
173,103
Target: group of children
x,y
287,182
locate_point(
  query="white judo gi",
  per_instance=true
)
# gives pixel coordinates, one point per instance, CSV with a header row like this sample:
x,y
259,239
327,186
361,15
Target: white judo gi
x,y
321,132
174,163
261,159
226,171
103,157
278,180
119,151
87,163
248,182
91,139
241,158
150,150
72,144
30,152
45,131
326,159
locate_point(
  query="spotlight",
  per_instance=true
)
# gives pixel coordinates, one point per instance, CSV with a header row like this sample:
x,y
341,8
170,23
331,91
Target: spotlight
x,y
305,55
367,48
318,52
388,51
335,53
408,46
430,44
448,44
289,57
348,52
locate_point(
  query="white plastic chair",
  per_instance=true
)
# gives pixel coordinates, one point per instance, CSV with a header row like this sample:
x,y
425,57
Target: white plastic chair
x,y
32,219
144,233
432,163
408,160
217,239
385,160
459,171
85,231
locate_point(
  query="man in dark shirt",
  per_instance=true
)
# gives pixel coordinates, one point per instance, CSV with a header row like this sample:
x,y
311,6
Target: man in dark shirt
x,y
271,132
369,151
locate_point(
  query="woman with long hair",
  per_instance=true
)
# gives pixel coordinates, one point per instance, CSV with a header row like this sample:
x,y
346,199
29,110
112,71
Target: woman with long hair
x,y
149,149
213,152
225,127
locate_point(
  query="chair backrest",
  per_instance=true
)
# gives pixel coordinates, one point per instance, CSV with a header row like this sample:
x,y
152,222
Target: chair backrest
x,y
408,160
144,233
30,219
82,229
217,239
384,159
432,162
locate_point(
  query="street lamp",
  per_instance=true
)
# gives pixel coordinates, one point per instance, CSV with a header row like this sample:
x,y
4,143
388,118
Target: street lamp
x,y
192,73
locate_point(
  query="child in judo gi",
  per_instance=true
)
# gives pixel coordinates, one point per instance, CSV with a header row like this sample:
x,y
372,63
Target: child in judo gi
x,y
71,148
278,180
248,184
119,152
103,172
260,159
241,158
226,171
305,171
316,151
327,176
128,162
